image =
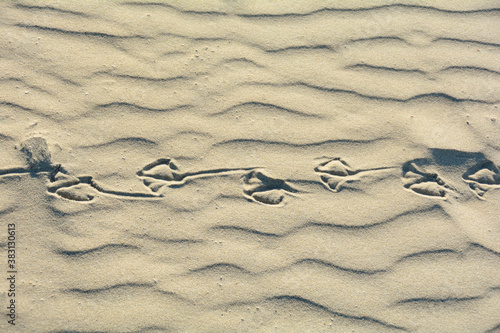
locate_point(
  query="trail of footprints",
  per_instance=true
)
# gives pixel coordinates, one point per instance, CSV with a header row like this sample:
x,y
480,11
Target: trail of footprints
x,y
481,177
334,174
257,186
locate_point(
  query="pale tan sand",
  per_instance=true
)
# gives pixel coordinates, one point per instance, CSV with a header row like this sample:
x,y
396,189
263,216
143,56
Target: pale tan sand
x,y
251,166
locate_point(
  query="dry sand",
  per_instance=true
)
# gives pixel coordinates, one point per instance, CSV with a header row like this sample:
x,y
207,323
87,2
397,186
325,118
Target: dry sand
x,y
251,166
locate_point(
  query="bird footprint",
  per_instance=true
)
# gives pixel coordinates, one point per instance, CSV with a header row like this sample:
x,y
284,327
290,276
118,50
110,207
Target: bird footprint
x,y
422,182
263,189
335,172
482,177
155,174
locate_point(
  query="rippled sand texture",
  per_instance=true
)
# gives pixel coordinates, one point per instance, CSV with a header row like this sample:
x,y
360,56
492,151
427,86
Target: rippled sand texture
x,y
252,166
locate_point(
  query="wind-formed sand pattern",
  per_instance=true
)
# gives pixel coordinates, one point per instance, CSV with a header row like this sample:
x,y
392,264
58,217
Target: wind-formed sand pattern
x,y
251,166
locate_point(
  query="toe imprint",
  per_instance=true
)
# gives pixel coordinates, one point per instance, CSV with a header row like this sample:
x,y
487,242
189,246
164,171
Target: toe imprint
x,y
335,172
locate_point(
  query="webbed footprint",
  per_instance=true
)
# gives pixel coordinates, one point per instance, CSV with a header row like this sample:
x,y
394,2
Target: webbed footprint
x,y
422,182
335,172
482,177
70,187
155,174
264,189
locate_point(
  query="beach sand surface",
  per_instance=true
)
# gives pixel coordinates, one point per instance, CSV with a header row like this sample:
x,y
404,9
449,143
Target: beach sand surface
x,y
250,166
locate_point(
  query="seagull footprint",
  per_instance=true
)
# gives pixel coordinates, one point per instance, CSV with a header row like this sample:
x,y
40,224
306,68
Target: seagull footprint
x,y
263,189
155,174
422,182
482,177
334,173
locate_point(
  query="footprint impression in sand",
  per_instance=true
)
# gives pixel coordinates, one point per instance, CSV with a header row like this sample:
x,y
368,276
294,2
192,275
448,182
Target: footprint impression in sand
x,y
163,171
166,172
418,176
463,181
335,172
70,187
416,179
482,177
263,189
257,186
480,174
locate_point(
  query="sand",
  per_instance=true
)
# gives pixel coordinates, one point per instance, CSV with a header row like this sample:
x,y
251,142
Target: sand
x,y
250,166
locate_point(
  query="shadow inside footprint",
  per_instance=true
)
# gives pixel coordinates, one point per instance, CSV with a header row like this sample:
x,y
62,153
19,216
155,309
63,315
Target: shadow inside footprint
x,y
422,182
482,176
264,189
